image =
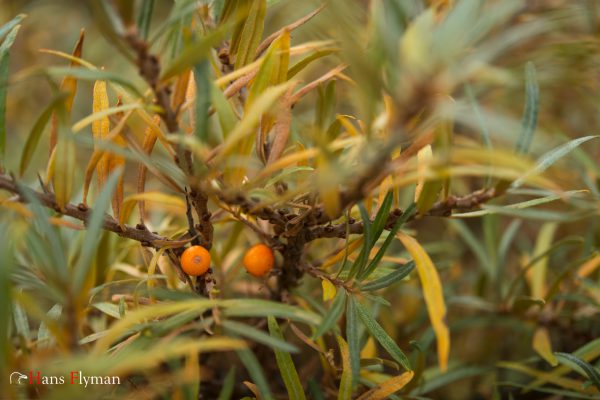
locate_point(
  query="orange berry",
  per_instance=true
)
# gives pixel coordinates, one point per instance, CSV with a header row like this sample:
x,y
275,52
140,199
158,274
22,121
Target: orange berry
x,y
259,260
195,260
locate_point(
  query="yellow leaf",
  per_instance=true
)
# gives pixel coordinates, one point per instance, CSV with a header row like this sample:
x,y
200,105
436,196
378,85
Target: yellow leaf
x,y
434,296
537,273
329,289
385,389
589,266
345,390
542,345
339,256
100,127
64,168
370,349
129,203
424,157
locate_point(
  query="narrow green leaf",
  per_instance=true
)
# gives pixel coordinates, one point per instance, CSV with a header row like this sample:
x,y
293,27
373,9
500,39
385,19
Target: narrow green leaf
x,y
6,283
203,96
4,47
256,372
333,315
381,335
93,75
474,244
353,337
94,229
377,259
580,366
144,18
258,336
193,54
382,216
53,246
36,133
530,114
549,158
391,278
7,27
286,365
228,385
363,256
300,65
45,340
251,34
21,321
263,308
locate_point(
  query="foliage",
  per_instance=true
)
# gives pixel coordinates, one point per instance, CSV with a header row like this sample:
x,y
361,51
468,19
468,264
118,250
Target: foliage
x,y
423,170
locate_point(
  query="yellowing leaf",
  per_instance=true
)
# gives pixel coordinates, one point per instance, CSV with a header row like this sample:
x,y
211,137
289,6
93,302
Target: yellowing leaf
x,y
434,296
385,389
329,289
345,390
68,85
158,197
537,273
64,163
424,157
542,345
589,266
108,162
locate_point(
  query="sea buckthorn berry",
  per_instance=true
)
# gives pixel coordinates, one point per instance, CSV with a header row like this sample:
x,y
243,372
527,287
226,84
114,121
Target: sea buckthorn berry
x,y
259,260
195,260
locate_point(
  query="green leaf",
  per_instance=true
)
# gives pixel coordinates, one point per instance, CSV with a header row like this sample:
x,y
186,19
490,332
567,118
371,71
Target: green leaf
x,y
286,365
333,315
256,372
258,336
52,245
7,27
193,54
303,63
93,235
377,259
389,279
36,133
353,337
45,340
4,47
228,385
513,209
530,114
93,75
363,256
203,96
581,366
251,34
545,161
382,216
144,18
381,335
21,321
8,265
263,308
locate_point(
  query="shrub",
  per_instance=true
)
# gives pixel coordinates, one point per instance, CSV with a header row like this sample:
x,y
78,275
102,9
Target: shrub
x,y
380,218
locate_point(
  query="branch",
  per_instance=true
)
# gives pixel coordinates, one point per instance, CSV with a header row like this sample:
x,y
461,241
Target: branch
x,y
149,69
442,208
82,213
